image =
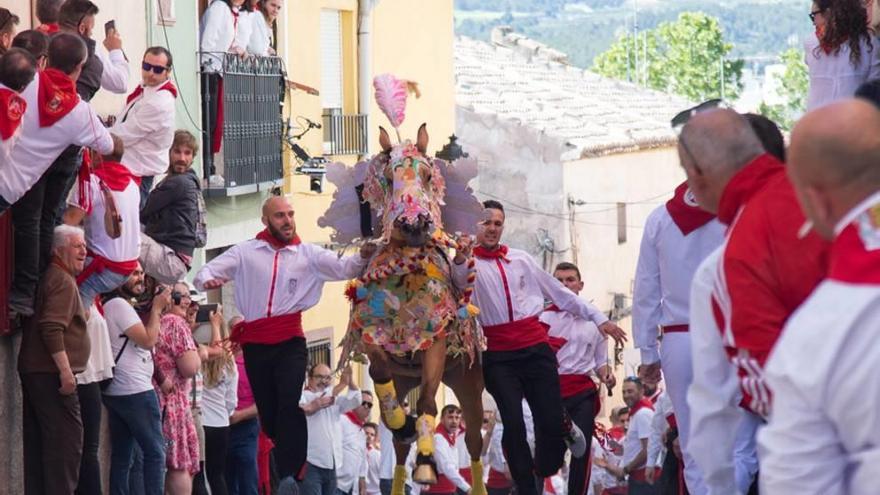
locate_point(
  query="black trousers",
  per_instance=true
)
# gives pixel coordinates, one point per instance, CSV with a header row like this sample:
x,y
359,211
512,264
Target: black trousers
x,y
34,217
532,374
582,410
216,445
276,373
90,411
211,89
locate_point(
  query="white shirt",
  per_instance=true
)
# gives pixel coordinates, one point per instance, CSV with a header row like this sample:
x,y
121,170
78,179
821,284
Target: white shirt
x,y
666,266
354,456
217,31
114,75
37,147
146,127
822,434
261,35
714,394
325,430
639,429
374,458
100,364
299,273
586,348
219,401
6,146
127,246
388,458
528,285
448,462
833,77
659,425
134,370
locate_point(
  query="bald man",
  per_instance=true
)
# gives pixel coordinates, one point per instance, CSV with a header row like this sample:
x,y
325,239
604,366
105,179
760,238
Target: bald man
x,y
276,278
743,293
822,435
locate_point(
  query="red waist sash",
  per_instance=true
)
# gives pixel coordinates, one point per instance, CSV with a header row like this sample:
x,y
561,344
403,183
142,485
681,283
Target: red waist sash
x,y
497,480
571,385
675,328
515,335
443,486
269,330
100,263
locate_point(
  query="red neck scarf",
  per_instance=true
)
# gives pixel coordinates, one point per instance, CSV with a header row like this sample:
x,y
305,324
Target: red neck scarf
x,y
745,184
643,403
56,96
855,253
441,429
115,175
685,212
12,107
266,236
499,253
48,28
824,45
138,91
355,419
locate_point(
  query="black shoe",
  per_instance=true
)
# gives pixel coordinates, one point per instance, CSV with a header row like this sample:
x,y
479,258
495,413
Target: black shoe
x,y
407,433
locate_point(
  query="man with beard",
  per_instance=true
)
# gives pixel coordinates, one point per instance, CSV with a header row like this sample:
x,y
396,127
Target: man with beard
x,y
132,405
171,214
277,278
635,443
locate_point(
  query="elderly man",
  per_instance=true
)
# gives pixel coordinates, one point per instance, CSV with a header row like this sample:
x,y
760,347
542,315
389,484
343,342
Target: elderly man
x,y
820,438
54,348
744,292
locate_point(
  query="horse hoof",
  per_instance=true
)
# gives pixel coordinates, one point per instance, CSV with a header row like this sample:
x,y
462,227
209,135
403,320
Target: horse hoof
x,y
425,472
407,433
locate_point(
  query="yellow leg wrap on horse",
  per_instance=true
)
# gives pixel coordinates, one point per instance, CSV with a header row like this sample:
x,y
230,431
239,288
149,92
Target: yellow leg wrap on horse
x,y
399,481
478,487
425,428
394,415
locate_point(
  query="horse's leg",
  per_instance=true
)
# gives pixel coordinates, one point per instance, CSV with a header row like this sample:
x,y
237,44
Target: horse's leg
x,y
403,385
467,383
433,364
386,393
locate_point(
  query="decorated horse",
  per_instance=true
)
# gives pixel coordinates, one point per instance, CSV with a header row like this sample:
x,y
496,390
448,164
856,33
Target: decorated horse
x,y
409,318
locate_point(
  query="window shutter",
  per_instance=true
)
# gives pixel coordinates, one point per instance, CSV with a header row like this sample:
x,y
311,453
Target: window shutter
x,y
331,59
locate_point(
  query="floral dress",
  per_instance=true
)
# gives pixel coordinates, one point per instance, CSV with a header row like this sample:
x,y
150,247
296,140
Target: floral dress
x,y
182,443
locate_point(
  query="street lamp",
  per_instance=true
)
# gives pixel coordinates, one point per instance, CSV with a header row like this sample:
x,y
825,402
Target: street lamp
x,y
451,151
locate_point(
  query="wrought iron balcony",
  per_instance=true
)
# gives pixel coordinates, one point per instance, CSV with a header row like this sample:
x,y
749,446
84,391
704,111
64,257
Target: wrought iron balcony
x,y
344,134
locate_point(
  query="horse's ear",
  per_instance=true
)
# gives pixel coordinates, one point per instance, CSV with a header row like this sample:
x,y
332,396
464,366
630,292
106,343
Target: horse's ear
x,y
384,139
422,140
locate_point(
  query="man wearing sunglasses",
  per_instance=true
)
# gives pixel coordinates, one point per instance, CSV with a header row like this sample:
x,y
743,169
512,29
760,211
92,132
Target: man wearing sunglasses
x,y
146,123
350,477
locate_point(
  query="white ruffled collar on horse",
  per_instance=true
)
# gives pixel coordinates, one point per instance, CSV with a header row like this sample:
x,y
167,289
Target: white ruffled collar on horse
x,y
414,322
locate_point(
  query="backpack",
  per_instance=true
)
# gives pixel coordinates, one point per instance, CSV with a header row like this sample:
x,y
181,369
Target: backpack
x,y
201,222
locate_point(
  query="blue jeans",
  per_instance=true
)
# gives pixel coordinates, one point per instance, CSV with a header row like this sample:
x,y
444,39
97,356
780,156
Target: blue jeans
x,y
136,419
318,481
241,458
99,283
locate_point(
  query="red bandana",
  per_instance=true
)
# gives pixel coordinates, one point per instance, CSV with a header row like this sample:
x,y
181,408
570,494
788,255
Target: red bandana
x,y
499,253
355,419
49,28
266,236
138,91
441,429
56,96
643,403
855,253
116,175
12,107
685,212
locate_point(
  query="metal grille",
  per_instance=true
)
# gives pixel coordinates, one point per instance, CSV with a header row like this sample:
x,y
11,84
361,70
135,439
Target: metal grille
x,y
319,353
344,134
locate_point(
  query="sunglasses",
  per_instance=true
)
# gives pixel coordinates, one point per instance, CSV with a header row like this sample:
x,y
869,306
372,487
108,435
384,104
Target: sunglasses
x,y
157,69
632,379
814,14
368,405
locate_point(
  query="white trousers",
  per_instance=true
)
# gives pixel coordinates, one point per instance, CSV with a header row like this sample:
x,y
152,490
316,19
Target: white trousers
x,y
161,262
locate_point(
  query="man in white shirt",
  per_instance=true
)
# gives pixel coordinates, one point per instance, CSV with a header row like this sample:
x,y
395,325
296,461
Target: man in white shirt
x,y
56,118
351,475
324,408
17,70
374,459
276,279
635,443
510,289
580,350
822,436
447,438
678,236
146,123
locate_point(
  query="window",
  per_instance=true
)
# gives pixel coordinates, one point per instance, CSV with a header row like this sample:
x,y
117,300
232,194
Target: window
x,y
621,223
319,353
331,59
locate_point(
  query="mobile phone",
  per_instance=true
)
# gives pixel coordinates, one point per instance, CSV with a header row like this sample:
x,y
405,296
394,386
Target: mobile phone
x,y
205,311
111,24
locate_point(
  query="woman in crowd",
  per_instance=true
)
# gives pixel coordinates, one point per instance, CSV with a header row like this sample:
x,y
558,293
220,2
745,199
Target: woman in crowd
x,y
178,358
256,34
842,55
219,401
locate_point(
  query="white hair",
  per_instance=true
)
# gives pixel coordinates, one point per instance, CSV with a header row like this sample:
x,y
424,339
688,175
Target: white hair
x,y
62,233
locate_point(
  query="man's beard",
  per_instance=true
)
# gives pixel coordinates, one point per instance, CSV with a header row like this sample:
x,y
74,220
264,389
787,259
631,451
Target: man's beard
x,y
125,291
278,234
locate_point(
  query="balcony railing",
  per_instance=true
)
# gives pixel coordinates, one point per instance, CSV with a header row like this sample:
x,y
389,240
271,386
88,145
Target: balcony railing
x,y
252,95
344,134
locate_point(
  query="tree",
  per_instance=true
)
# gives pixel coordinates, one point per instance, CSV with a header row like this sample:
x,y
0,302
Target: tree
x,y
687,57
794,83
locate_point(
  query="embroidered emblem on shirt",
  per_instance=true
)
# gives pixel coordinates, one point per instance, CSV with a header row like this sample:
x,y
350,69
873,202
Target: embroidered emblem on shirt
x,y
869,228
291,285
15,109
690,199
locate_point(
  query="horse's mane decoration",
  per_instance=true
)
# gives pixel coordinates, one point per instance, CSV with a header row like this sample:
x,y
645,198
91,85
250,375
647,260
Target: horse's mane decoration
x,y
405,299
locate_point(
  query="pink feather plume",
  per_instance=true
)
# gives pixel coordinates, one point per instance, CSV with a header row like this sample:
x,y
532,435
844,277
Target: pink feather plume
x,y
391,97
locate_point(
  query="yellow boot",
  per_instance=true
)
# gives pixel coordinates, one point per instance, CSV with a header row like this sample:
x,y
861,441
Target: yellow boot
x,y
399,481
477,485
425,471
394,415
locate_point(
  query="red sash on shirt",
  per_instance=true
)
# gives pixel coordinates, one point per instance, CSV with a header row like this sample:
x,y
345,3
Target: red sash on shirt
x,y
138,91
269,330
116,175
556,343
571,385
12,107
56,96
515,335
266,236
685,211
500,253
497,480
100,263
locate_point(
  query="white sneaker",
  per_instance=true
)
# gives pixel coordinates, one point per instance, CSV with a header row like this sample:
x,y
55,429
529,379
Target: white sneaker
x,y
574,438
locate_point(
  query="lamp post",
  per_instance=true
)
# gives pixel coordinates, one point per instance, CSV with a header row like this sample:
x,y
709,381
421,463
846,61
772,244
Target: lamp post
x,y
451,151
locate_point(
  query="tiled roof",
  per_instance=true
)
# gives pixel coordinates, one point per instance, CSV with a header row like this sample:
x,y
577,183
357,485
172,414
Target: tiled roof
x,y
519,79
